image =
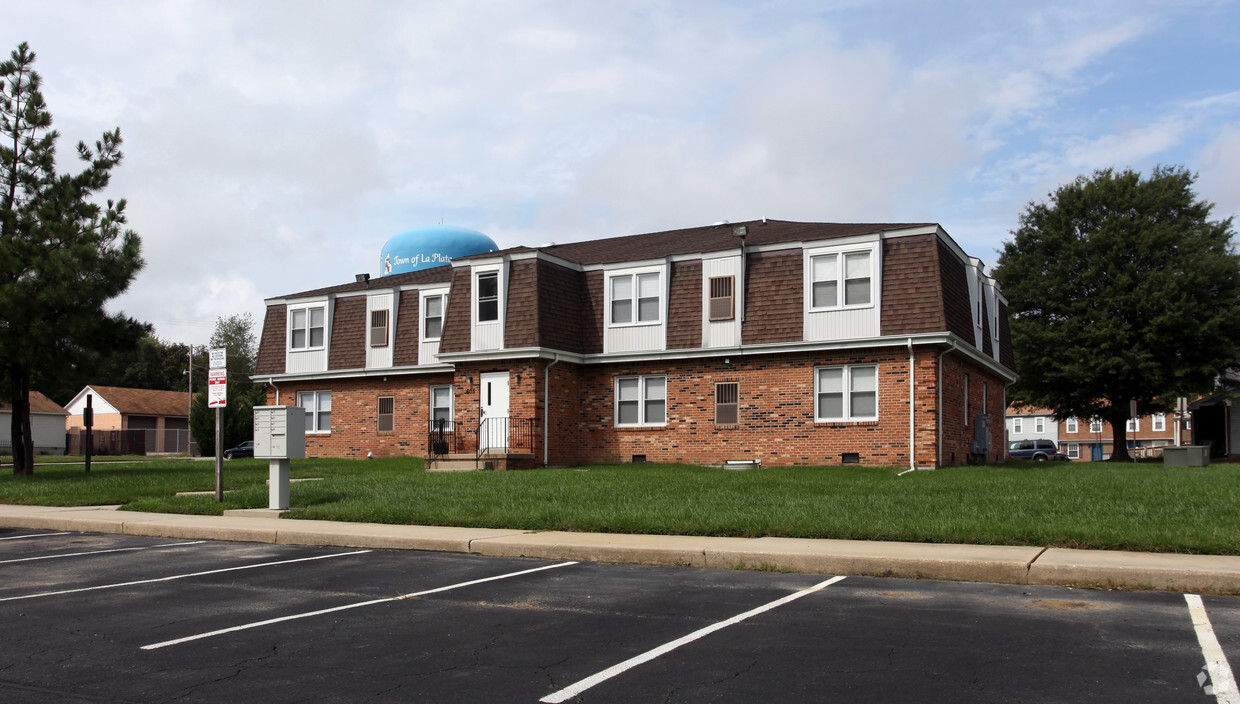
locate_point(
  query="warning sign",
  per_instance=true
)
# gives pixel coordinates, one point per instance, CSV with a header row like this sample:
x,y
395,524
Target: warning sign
x,y
217,388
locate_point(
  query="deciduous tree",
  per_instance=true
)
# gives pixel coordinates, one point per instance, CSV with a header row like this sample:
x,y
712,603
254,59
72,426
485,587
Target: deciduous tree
x,y
1120,288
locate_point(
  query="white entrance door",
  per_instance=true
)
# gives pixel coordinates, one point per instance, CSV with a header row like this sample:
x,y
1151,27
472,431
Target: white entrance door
x,y
494,404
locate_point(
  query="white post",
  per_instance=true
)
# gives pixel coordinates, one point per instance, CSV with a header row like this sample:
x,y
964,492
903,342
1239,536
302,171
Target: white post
x,y
277,485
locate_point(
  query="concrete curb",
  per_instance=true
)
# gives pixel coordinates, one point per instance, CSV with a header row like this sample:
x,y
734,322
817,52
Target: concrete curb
x,y
1218,574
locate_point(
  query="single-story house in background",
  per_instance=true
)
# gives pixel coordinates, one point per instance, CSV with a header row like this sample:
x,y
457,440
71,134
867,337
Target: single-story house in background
x,y
47,425
131,421
785,343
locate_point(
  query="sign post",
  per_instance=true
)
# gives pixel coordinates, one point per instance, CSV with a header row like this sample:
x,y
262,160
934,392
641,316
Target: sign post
x,y
217,398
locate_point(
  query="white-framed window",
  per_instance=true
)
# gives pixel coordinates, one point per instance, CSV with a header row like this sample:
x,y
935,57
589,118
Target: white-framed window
x,y
1072,425
1160,422
1039,425
432,316
1074,451
1134,425
305,327
1018,426
842,280
641,401
1095,425
722,301
318,406
379,328
386,414
727,403
488,296
441,406
634,298
846,393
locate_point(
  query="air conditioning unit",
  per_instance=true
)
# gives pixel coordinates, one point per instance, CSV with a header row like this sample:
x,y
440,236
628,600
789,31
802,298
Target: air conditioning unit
x,y
980,447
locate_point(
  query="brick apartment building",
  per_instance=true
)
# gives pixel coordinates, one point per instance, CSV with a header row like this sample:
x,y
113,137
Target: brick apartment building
x,y
1094,440
781,342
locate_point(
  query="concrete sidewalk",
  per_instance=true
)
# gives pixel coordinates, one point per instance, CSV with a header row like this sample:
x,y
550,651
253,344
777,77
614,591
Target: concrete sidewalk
x,y
971,563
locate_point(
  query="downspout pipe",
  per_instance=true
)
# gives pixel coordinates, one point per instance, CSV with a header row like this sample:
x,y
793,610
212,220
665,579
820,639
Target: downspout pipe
x,y
912,407
547,409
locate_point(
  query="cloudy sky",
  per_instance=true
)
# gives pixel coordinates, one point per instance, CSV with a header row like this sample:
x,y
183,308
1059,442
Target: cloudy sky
x,y
273,147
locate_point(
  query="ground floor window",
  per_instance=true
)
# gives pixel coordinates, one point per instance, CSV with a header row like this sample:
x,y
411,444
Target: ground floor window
x,y
1074,451
846,393
318,405
387,414
441,406
726,403
641,400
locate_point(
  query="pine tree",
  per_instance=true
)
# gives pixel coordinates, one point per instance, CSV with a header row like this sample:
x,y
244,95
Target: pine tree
x,y
62,256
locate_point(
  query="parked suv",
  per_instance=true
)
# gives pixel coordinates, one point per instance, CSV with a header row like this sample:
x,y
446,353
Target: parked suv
x,y
1034,450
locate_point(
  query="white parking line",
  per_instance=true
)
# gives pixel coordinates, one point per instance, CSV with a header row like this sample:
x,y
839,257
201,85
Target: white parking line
x,y
1221,678
582,685
100,552
320,612
40,535
181,576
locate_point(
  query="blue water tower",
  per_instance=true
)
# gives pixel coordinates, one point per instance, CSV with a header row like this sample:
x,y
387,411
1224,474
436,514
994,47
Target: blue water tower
x,y
429,246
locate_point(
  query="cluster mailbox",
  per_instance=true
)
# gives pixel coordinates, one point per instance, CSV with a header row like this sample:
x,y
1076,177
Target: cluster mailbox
x,y
279,432
279,435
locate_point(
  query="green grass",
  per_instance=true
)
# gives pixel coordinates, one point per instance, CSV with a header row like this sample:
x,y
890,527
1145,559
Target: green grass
x,y
1129,507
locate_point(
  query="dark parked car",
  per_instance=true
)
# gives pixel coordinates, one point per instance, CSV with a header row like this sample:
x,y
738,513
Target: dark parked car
x,y
245,449
1035,450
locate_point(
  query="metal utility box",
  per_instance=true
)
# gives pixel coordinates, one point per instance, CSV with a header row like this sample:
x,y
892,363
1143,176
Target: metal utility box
x,y
1186,456
279,432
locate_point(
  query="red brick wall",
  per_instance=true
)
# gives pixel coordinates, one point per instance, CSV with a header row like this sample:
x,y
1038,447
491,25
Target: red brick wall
x,y
983,388
355,415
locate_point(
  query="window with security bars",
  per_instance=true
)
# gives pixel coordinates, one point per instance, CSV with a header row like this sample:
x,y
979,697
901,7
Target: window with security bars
x,y
721,298
727,406
378,328
387,414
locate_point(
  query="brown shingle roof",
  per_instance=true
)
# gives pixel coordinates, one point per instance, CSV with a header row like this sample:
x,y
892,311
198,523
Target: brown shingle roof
x,y
434,275
711,238
38,404
145,402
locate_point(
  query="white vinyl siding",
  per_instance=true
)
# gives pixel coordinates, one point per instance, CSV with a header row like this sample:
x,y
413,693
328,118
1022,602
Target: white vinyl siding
x,y
842,292
721,332
433,306
381,324
489,293
308,332
636,319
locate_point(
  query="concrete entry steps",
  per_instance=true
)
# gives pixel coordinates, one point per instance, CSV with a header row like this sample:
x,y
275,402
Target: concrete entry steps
x,y
1218,574
490,460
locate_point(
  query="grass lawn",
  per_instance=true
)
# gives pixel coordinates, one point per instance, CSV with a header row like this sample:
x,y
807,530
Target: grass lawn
x,y
1131,506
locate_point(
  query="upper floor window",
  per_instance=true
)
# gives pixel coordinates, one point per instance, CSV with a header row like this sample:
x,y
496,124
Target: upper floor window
x,y
641,400
305,328
1095,426
378,328
841,280
721,306
1134,425
848,393
488,296
1160,422
1072,425
1018,426
1039,425
634,298
432,317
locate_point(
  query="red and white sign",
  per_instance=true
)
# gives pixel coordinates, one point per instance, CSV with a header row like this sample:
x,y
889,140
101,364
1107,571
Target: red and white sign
x,y
217,388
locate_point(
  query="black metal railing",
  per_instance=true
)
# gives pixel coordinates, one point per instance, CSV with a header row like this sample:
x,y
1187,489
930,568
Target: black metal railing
x,y
442,439
503,434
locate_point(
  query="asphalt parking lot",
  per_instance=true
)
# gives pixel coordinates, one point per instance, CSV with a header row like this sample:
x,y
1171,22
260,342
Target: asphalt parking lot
x,y
117,618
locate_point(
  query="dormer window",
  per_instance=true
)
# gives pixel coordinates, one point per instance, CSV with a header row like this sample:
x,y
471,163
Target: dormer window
x,y
432,317
378,328
306,328
635,299
488,297
841,280
721,306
